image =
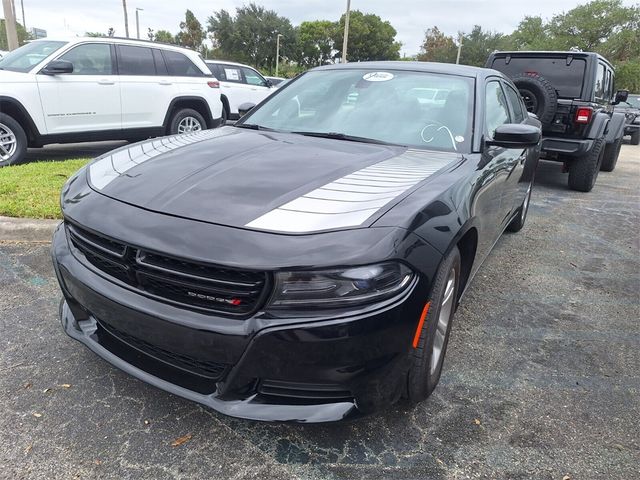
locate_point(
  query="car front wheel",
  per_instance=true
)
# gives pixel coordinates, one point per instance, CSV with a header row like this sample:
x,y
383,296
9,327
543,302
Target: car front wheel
x,y
186,120
431,341
13,141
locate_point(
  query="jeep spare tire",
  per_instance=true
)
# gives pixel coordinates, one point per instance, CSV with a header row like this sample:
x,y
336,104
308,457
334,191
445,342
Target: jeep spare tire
x,y
539,96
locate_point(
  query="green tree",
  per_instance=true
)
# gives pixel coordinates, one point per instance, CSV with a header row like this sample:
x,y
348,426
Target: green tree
x,y
94,34
23,35
370,38
164,36
477,45
437,47
315,42
532,34
250,36
191,34
628,76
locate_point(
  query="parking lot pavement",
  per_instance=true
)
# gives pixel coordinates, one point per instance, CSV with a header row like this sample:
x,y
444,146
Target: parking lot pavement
x,y
542,377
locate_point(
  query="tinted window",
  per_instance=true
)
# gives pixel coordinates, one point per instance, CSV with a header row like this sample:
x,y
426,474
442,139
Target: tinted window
x,y
180,66
496,112
599,90
231,73
252,77
567,79
515,100
90,59
161,67
135,61
215,70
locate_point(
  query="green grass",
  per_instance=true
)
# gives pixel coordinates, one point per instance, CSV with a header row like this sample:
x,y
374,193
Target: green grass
x,y
32,190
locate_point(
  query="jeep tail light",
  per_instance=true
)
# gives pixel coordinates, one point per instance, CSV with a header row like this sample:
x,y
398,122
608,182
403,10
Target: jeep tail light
x,y
214,84
583,115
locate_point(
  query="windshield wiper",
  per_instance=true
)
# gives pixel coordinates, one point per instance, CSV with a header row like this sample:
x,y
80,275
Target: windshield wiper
x,y
254,126
345,137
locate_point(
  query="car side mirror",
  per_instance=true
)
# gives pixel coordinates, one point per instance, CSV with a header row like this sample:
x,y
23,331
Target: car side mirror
x,y
268,83
514,135
245,108
621,96
57,67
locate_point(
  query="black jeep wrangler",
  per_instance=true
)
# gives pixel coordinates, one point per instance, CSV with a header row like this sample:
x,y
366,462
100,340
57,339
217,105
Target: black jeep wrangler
x,y
631,110
572,94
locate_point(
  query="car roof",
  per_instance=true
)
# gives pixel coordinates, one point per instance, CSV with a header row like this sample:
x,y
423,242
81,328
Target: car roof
x,y
430,67
120,40
548,53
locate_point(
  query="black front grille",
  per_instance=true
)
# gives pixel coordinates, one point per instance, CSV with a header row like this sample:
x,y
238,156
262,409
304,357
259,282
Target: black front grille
x,y
190,284
211,370
305,393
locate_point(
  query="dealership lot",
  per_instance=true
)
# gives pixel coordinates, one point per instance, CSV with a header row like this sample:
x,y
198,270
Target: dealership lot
x,y
541,378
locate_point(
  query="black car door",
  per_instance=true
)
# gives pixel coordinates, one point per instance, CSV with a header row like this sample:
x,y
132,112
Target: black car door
x,y
493,170
515,184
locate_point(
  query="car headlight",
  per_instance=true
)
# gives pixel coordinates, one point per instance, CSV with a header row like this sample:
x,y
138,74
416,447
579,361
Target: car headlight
x,y
338,288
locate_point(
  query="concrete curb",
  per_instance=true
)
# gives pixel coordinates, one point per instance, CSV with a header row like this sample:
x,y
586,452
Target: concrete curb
x,y
26,229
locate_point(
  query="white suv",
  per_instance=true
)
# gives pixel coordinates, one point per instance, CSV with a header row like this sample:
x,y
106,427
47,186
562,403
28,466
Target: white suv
x,y
239,84
88,89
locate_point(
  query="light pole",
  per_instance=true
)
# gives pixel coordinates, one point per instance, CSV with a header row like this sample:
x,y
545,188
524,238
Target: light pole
x,y
278,51
346,32
459,48
138,22
126,18
10,24
24,22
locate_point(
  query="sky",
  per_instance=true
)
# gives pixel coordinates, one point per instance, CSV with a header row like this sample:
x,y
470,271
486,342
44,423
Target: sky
x,y
409,17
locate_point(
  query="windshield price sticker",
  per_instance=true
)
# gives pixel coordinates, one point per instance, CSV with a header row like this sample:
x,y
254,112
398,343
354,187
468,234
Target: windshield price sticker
x,y
377,76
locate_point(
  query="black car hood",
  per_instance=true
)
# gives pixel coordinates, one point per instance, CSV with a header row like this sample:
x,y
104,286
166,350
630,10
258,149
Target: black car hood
x,y
263,180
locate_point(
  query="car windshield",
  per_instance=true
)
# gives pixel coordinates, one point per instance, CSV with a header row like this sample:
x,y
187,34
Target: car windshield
x,y
416,109
634,101
28,56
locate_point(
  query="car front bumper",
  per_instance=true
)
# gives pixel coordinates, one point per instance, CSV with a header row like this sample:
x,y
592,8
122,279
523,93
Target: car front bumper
x,y
298,370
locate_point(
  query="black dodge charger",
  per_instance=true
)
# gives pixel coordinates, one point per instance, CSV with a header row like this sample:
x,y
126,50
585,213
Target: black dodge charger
x,y
305,264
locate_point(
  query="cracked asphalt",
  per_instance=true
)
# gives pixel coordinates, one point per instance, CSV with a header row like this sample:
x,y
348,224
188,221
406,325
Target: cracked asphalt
x,y
541,381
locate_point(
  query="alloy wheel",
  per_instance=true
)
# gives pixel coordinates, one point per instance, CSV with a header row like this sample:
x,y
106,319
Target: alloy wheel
x,y
8,142
188,125
444,317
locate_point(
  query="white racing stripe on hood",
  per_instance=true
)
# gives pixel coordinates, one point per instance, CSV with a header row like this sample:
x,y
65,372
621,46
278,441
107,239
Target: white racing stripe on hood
x,y
349,201
114,164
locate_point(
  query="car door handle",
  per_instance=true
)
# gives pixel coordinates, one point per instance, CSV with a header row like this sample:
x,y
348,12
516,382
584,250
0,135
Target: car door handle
x,y
164,82
106,81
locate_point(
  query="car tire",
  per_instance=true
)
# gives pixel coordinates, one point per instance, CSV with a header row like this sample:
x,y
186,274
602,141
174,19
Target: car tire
x,y
521,216
225,115
539,96
427,357
584,171
635,137
13,141
611,154
186,120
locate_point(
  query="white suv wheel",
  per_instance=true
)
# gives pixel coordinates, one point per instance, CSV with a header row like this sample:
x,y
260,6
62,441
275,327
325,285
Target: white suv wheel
x,y
8,142
189,124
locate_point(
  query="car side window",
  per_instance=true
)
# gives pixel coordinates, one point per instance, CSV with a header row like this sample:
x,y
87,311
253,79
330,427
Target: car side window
x,y
232,73
609,86
496,110
253,78
133,60
161,66
179,65
599,90
517,107
90,59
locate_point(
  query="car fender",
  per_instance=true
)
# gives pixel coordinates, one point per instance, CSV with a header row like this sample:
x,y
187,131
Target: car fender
x,y
615,128
598,126
190,98
27,121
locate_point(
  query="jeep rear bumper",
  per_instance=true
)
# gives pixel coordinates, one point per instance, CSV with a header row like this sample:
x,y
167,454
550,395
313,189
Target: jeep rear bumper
x,y
566,146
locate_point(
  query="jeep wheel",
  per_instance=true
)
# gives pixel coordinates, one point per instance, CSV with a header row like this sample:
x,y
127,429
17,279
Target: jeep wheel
x,y
428,354
584,171
13,141
635,137
186,120
538,94
611,153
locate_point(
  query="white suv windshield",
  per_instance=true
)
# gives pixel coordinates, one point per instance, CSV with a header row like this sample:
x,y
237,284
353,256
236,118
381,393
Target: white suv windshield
x,y
26,57
391,106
